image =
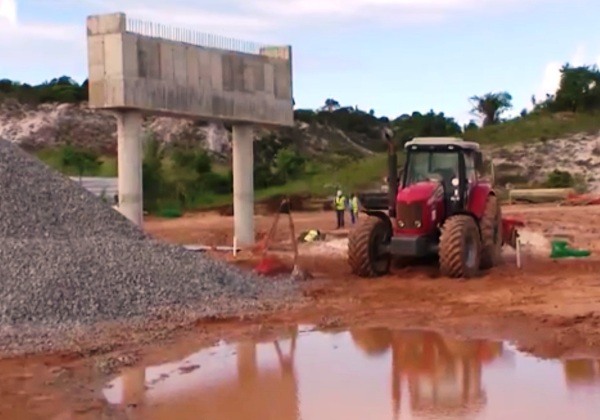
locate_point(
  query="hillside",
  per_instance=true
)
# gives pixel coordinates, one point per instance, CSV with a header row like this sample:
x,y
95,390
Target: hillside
x,y
48,125
525,150
187,164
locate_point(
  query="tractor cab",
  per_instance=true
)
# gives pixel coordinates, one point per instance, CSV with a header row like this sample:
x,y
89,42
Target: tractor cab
x,y
448,162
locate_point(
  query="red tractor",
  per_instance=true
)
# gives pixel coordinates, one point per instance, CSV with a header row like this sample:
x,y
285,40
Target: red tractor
x,y
438,205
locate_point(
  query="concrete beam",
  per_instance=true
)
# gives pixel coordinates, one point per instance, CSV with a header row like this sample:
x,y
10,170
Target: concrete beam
x,y
281,52
243,184
129,132
163,75
106,24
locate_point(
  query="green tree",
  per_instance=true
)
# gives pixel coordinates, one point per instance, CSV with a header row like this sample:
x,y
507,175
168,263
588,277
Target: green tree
x,y
153,181
491,106
61,89
289,164
406,127
579,90
80,160
331,105
472,126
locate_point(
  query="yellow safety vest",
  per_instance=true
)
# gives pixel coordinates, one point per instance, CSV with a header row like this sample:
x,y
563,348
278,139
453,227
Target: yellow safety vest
x,y
354,204
340,202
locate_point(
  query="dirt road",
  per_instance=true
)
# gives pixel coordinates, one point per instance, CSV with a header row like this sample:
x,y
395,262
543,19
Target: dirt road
x,y
550,308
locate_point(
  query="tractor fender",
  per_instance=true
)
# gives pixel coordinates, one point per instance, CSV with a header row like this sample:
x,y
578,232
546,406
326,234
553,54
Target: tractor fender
x,y
380,215
478,199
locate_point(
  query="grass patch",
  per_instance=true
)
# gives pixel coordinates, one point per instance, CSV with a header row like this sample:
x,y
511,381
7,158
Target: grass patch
x,y
323,180
536,126
54,159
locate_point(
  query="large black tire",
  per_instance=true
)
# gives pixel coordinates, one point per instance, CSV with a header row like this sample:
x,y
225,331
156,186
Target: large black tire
x,y
491,234
460,247
363,246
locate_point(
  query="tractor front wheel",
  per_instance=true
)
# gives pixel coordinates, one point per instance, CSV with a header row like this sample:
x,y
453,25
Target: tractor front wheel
x,y
460,247
364,248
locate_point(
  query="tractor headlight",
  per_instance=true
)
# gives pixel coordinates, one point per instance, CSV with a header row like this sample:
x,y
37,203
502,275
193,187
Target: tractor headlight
x,y
417,223
400,224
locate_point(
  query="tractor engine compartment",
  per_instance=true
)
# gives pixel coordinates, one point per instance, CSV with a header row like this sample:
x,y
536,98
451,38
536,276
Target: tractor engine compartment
x,y
419,208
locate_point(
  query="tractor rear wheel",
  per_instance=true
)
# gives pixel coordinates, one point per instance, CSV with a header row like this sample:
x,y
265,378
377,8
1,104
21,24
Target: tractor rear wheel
x,y
491,234
364,243
460,247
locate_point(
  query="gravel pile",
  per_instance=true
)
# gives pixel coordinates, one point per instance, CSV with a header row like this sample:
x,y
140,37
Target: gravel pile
x,y
67,258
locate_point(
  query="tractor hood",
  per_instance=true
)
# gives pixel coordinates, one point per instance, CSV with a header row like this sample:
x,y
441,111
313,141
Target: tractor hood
x,y
420,191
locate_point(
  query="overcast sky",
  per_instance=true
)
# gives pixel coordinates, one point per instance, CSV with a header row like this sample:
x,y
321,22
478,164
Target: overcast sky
x,y
394,56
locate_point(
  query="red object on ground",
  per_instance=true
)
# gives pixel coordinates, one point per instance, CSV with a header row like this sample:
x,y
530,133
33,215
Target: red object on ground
x,y
509,230
271,266
582,199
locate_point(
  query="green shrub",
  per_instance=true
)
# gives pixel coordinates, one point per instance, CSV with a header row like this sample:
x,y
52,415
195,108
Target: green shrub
x,y
559,179
215,183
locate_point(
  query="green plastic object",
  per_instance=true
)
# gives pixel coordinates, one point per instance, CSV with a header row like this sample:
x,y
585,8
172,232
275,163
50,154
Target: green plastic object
x,y
561,249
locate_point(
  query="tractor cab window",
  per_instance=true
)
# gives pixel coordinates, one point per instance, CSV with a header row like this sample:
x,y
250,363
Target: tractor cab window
x,y
426,165
470,171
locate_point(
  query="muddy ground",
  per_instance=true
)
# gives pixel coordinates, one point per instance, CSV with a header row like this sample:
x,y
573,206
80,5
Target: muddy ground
x,y
549,308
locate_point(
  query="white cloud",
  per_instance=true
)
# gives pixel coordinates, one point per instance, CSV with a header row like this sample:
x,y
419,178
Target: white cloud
x,y
8,12
228,21
27,46
382,11
23,33
258,16
18,32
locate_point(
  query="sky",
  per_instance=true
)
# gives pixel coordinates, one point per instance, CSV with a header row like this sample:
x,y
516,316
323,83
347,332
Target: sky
x,y
392,56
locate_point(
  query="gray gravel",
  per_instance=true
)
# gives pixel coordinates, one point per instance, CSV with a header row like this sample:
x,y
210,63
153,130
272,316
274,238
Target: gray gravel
x,y
68,259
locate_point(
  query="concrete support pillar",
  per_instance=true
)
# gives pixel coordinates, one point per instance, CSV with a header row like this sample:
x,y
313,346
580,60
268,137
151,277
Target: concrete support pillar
x,y
247,363
134,386
243,184
129,132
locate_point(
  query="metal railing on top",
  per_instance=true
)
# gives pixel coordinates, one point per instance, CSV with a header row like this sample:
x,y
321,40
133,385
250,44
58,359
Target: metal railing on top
x,y
188,36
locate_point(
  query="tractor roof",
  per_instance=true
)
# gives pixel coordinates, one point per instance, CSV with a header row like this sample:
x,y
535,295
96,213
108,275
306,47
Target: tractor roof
x,y
442,141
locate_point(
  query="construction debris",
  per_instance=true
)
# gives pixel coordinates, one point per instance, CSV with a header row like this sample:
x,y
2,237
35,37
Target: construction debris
x,y
582,200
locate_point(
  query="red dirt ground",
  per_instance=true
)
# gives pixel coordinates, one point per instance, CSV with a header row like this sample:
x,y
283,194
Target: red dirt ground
x,y
550,308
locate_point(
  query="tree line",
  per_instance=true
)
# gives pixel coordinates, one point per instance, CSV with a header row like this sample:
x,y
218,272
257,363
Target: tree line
x,y
186,174
579,91
62,90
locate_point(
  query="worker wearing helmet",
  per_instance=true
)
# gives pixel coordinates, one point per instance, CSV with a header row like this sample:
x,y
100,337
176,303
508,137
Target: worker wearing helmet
x,y
340,208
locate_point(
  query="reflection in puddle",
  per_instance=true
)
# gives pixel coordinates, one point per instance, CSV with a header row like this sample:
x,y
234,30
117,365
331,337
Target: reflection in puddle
x,y
366,374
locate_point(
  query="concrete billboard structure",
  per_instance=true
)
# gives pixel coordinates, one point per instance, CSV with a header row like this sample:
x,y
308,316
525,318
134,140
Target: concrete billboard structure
x,y
138,68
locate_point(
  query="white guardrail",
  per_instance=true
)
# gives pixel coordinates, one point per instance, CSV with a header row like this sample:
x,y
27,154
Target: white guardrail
x,y
99,185
540,194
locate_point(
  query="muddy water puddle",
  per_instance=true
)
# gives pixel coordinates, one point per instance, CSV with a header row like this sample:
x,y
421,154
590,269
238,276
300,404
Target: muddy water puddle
x,y
368,374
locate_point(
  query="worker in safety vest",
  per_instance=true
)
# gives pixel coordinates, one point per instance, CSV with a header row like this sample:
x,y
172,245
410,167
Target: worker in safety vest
x,y
340,208
354,208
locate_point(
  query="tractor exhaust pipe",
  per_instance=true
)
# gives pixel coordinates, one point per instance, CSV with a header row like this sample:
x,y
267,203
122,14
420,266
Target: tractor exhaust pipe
x,y
392,178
